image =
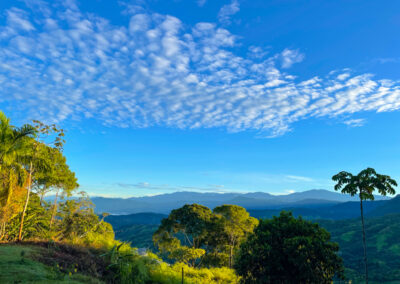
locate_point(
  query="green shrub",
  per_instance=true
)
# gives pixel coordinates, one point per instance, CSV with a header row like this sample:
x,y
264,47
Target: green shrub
x,y
172,274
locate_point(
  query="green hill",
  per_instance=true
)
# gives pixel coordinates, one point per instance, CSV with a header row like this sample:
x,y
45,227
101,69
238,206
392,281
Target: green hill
x,y
36,264
388,207
139,235
383,246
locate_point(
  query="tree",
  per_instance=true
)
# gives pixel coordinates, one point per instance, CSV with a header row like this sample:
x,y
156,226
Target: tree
x,y
13,147
288,250
80,225
34,160
363,185
58,176
189,225
36,223
236,224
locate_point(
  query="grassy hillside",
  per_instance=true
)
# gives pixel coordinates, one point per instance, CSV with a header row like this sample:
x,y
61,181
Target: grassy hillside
x,y
44,262
25,264
383,246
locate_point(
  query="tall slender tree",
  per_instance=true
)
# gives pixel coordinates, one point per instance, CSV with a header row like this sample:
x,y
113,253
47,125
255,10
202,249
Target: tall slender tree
x,y
363,185
13,147
47,135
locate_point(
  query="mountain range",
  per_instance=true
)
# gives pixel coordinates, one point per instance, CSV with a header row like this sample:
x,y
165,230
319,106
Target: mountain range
x,y
164,203
138,228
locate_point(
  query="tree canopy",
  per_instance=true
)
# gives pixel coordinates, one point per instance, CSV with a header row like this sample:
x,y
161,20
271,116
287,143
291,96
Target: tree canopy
x,y
288,250
196,235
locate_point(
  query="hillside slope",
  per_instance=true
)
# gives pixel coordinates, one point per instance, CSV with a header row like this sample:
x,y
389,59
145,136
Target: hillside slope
x,y
21,264
388,207
383,246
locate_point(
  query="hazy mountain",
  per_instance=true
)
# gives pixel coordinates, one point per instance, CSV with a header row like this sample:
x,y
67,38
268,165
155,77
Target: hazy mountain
x,y
164,203
389,207
335,211
118,221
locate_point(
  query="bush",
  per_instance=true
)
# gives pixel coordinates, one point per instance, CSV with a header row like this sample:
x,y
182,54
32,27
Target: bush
x,y
172,274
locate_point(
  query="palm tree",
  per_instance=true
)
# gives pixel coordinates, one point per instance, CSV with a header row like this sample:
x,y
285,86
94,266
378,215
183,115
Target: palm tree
x,y
13,145
12,140
364,185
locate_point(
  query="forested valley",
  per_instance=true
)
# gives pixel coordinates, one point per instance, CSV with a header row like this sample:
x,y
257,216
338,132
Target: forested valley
x,y
62,239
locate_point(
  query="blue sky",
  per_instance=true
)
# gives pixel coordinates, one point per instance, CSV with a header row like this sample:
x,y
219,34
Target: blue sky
x,y
162,96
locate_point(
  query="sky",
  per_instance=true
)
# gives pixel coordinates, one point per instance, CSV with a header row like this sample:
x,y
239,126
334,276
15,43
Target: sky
x,y
211,96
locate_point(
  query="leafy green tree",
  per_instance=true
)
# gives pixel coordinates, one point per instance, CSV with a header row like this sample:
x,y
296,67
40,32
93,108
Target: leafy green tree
x,y
36,225
189,225
363,185
79,224
36,159
236,224
57,177
288,250
13,147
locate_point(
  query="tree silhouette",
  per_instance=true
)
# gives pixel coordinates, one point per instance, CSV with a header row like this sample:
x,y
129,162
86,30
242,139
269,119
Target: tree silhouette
x,y
363,185
285,249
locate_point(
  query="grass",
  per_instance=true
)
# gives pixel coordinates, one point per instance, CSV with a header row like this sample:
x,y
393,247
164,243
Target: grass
x,y
18,264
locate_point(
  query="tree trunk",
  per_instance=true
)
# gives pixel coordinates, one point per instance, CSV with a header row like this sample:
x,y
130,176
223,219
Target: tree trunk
x,y
230,256
10,187
53,214
26,203
2,230
364,242
41,197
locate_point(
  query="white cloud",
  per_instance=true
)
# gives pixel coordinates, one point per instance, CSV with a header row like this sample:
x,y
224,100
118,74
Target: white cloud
x,y
227,11
290,57
355,122
257,52
18,20
155,71
299,178
166,187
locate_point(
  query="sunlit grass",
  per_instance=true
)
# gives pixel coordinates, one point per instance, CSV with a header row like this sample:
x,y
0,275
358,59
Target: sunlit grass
x,y
18,265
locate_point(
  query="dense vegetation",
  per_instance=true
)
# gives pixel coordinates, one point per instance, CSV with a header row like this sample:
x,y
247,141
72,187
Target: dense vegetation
x,y
288,250
197,236
382,232
66,239
63,240
383,246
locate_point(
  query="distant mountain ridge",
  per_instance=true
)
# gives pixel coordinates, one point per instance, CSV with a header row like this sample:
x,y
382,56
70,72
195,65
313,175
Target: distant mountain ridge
x,y
164,203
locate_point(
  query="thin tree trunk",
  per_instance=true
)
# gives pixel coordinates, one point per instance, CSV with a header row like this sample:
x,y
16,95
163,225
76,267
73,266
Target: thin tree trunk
x,y
364,242
2,230
53,214
10,187
41,197
26,203
230,256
